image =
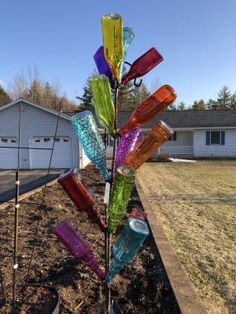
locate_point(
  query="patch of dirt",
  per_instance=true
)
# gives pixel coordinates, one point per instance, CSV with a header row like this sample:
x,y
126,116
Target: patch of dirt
x,y
142,287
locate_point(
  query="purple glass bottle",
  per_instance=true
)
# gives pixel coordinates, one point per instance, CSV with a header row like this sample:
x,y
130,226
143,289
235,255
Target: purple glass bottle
x,y
77,246
102,65
126,146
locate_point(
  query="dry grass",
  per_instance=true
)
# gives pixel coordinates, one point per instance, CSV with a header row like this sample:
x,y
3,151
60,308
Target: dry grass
x,y
197,206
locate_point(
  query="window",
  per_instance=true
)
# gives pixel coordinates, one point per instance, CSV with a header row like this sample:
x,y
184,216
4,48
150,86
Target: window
x,y
13,141
111,141
4,140
173,137
215,138
65,140
56,139
47,139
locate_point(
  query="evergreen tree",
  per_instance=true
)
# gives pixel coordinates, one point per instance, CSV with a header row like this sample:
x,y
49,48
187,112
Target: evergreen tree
x,y
87,94
181,106
139,94
224,98
233,101
4,97
124,97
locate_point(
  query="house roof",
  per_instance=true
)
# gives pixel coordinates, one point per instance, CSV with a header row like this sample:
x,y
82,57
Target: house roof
x,y
54,112
188,119
184,119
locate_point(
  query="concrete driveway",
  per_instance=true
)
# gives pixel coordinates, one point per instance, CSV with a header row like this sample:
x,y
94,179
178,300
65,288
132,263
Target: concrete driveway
x,y
29,180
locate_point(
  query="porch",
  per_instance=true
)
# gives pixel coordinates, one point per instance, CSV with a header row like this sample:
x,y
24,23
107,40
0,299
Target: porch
x,y
177,151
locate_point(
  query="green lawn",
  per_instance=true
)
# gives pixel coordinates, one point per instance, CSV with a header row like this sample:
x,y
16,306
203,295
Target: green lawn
x,y
196,204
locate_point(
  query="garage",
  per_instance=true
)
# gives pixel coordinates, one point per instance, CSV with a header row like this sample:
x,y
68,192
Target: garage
x,y
34,128
40,158
8,152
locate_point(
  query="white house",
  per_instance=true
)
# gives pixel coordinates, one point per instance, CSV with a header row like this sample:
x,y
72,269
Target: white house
x,y
203,133
33,129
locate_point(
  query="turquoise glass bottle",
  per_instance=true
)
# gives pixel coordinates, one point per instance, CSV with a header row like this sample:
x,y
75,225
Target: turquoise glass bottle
x,y
91,140
127,245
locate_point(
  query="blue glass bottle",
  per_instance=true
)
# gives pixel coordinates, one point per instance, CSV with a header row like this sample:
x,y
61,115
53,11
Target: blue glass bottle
x,y
128,37
127,245
91,140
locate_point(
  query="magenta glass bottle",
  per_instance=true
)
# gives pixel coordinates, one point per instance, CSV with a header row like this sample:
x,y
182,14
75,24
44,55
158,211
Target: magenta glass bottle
x,y
77,246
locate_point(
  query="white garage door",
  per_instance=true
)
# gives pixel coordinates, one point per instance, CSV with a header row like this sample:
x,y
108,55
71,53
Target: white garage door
x,y
8,153
62,153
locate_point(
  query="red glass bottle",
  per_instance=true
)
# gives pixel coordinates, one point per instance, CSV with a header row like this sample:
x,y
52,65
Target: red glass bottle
x,y
143,65
151,107
137,213
77,192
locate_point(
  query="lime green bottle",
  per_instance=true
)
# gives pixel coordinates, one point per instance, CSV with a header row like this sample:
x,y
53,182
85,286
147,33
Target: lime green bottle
x,y
112,30
102,100
121,192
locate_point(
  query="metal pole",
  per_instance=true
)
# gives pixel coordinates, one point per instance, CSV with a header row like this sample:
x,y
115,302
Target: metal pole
x,y
15,264
17,205
107,233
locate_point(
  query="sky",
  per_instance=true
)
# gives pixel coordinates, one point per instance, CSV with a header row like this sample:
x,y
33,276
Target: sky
x,y
59,38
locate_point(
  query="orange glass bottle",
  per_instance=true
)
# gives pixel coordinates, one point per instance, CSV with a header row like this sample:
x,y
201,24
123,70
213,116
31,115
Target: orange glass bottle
x,y
151,107
145,149
143,65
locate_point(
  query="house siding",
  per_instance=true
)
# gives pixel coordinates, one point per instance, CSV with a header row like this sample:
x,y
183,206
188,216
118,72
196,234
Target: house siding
x,y
200,148
35,122
183,138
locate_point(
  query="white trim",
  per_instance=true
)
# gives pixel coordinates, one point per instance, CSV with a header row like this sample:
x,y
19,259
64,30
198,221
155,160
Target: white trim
x,y
199,128
54,112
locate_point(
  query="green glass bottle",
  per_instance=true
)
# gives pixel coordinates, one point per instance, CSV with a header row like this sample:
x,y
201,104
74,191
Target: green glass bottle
x,y
123,185
102,100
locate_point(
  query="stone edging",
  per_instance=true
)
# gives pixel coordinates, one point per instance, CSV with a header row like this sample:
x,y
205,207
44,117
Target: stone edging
x,y
185,294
